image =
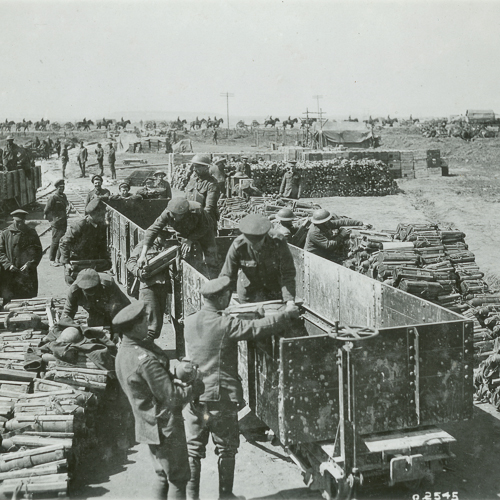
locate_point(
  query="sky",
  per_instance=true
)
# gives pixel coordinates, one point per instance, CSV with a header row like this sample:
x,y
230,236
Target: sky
x,y
66,60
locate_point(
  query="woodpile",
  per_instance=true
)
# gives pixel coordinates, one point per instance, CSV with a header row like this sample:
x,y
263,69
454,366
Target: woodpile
x,y
48,415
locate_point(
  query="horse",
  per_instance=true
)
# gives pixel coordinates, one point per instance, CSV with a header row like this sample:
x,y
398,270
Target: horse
x,y
307,122
42,124
290,122
214,123
271,121
25,125
103,123
122,124
7,125
178,124
84,125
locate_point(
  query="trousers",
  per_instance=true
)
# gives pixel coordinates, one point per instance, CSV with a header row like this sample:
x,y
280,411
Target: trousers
x,y
155,298
113,170
57,234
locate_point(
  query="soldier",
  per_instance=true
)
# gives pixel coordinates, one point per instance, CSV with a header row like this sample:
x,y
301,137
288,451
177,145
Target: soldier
x,y
83,156
143,371
284,223
37,142
112,160
214,136
20,254
246,168
203,188
98,294
260,263
212,343
325,239
57,147
148,192
64,159
11,155
161,185
125,193
291,185
85,239
218,171
193,228
100,158
56,212
153,290
98,192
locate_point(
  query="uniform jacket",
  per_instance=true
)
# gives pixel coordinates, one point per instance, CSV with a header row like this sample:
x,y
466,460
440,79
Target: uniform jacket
x,y
195,226
218,173
83,240
83,155
64,156
163,188
99,154
291,185
11,156
212,343
205,191
56,210
266,275
158,279
322,241
112,156
103,193
142,369
17,247
102,307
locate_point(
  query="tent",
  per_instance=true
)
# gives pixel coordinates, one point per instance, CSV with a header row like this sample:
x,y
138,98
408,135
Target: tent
x,y
348,134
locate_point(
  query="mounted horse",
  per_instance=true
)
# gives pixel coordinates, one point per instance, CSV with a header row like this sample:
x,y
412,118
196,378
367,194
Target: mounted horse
x,y
103,123
178,124
307,122
84,125
290,122
214,123
42,124
24,125
122,124
271,121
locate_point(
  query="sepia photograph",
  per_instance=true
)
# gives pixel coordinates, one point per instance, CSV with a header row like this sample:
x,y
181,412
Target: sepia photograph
x,y
249,249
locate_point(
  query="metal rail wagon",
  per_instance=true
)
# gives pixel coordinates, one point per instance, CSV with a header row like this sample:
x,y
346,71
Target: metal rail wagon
x,y
352,405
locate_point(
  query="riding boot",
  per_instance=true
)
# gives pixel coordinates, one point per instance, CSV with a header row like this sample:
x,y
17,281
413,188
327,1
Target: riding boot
x,y
226,479
193,486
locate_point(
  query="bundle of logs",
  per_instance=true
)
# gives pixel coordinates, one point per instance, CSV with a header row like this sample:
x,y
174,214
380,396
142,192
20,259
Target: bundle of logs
x,y
48,410
336,177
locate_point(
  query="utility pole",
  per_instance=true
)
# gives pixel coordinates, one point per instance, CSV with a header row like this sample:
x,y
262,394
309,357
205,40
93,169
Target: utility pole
x,y
227,95
318,97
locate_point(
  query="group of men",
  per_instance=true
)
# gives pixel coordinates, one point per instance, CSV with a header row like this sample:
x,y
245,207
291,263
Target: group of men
x,y
83,156
175,415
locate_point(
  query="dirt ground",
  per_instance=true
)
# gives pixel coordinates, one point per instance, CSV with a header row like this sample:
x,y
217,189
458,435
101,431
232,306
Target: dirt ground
x,y
466,200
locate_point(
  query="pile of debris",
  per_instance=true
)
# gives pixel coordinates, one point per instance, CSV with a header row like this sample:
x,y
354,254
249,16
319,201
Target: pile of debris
x,y
48,407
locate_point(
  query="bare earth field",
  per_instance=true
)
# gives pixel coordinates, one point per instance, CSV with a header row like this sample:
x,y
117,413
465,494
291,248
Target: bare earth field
x,y
466,200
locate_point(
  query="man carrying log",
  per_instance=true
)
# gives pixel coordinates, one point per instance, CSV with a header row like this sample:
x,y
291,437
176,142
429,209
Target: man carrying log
x,y
212,343
20,253
143,371
328,238
259,263
193,228
85,241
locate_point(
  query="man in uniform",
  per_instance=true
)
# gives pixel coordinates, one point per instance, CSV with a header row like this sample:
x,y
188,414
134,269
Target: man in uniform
x,y
98,294
100,158
57,147
11,155
203,188
85,239
83,156
284,223
328,238
162,186
218,171
20,254
154,289
193,228
245,167
124,193
291,185
260,263
112,160
98,192
142,369
212,343
56,212
64,159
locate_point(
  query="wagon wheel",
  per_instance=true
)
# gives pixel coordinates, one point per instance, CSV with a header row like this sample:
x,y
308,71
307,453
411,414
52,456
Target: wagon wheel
x,y
354,333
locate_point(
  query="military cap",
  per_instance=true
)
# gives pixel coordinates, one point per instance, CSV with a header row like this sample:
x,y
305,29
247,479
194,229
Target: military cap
x,y
9,138
94,206
21,214
96,176
285,214
200,159
216,286
87,278
123,184
254,225
320,216
178,206
59,182
129,314
160,172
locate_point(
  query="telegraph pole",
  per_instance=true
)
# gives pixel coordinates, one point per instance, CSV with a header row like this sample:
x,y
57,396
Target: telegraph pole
x,y
227,95
318,97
